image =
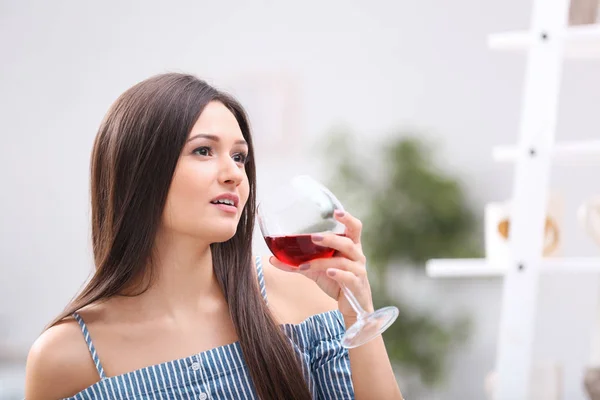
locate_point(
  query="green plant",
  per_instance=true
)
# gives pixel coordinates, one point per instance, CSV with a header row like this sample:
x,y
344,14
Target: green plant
x,y
411,211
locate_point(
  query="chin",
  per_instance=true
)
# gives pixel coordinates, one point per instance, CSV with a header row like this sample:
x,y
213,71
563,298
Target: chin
x,y
220,234
222,239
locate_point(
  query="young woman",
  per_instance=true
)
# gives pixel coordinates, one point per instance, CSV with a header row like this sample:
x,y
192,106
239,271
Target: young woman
x,y
177,307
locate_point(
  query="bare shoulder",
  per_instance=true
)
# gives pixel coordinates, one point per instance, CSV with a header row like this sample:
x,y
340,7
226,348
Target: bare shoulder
x,y
293,297
59,363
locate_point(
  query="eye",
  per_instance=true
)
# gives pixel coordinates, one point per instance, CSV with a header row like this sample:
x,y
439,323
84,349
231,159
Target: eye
x,y
203,151
241,158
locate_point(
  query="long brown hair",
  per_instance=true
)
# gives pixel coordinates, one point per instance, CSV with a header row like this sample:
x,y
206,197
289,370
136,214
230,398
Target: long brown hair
x,y
133,161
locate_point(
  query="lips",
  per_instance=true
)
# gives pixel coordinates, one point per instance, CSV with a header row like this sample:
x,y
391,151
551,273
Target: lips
x,y
228,199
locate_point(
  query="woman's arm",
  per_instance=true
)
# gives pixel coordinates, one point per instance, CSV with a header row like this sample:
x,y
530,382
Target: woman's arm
x,y
372,374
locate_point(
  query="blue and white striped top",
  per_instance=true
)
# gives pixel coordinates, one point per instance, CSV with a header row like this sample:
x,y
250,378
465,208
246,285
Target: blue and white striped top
x,y
221,373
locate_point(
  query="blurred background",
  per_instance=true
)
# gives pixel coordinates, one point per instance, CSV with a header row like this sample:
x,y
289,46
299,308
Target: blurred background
x,y
395,104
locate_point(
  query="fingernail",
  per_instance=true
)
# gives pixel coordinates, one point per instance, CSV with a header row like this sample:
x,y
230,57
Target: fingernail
x,y
304,267
331,272
317,238
339,213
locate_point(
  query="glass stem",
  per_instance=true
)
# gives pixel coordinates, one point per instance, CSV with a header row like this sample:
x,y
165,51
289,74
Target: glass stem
x,y
360,312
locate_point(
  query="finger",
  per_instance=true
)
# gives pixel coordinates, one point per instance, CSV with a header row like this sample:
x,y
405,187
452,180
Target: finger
x,y
347,278
342,263
342,244
353,225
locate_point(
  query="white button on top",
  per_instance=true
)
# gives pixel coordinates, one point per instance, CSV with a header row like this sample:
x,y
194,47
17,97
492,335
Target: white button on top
x,y
203,396
196,366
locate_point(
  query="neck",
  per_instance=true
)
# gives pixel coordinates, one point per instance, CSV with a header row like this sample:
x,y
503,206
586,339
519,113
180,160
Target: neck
x,y
183,277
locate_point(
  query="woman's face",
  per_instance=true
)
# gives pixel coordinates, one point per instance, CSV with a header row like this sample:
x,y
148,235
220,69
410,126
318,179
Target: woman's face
x,y
210,187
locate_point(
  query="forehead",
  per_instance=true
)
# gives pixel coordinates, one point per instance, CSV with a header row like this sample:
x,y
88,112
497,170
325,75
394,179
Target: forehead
x,y
218,120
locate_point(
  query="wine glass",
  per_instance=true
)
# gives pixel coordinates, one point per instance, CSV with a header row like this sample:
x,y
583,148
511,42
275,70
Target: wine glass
x,y
287,219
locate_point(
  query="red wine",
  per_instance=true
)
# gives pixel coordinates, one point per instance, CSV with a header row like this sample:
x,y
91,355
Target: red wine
x,y
297,249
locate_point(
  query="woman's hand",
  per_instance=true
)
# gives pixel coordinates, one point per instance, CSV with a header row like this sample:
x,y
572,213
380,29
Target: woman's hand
x,y
347,266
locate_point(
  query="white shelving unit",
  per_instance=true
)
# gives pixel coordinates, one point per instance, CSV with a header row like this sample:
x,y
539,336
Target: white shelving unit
x,y
574,153
548,42
579,41
482,268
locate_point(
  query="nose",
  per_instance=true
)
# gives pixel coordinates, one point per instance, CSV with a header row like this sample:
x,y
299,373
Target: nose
x,y
231,173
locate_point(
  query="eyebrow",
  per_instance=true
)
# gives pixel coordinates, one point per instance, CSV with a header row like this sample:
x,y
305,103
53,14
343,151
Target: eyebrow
x,y
214,138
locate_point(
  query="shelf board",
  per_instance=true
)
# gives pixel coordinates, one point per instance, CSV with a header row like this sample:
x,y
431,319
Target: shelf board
x,y
483,268
582,41
574,152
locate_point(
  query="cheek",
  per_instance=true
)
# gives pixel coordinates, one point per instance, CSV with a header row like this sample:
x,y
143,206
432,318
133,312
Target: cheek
x,y
186,199
188,188
244,191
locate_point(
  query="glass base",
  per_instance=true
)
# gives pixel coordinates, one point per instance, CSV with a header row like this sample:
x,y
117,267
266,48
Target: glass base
x,y
369,327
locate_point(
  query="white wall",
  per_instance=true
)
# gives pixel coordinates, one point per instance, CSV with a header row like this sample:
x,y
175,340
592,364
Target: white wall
x,y
374,67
